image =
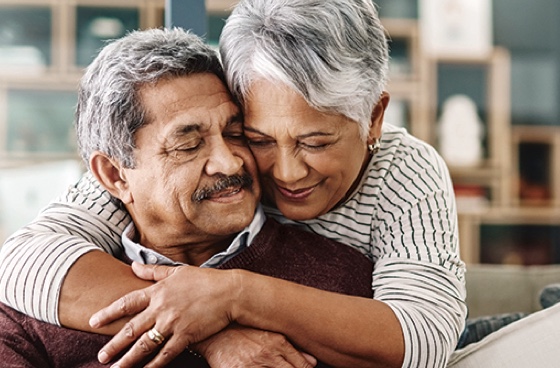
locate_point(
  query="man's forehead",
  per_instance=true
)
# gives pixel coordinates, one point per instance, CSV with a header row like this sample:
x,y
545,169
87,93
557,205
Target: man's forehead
x,y
190,124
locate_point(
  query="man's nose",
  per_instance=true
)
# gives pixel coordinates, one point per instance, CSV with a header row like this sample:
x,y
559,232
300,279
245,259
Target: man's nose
x,y
223,160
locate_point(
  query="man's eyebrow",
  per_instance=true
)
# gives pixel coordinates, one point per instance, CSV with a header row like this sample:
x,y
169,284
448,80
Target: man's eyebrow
x,y
186,129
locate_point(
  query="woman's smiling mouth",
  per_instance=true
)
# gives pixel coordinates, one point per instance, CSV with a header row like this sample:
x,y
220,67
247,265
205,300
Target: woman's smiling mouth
x,y
296,195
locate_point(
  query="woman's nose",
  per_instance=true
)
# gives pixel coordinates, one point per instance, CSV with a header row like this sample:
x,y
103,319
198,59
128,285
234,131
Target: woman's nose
x,y
289,167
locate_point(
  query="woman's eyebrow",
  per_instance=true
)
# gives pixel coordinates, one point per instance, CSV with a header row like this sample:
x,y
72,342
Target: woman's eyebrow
x,y
252,130
301,136
235,119
315,134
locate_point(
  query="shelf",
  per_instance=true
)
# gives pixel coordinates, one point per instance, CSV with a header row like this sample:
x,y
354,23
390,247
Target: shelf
x,y
536,166
480,173
220,6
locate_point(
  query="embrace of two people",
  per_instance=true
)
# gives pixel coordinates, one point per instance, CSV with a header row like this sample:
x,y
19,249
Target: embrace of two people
x,y
321,236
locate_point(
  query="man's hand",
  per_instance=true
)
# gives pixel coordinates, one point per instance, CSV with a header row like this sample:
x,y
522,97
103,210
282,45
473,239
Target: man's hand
x,y
186,305
239,346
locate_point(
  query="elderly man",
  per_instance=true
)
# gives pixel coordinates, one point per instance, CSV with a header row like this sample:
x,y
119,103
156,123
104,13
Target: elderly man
x,y
160,133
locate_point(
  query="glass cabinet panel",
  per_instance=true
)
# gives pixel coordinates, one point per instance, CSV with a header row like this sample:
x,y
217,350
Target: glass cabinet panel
x,y
25,37
95,25
41,121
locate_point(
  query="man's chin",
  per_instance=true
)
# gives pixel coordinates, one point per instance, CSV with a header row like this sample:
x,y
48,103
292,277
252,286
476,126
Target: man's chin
x,y
230,217
229,225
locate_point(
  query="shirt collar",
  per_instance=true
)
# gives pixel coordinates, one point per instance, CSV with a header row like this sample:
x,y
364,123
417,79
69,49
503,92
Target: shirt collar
x,y
139,253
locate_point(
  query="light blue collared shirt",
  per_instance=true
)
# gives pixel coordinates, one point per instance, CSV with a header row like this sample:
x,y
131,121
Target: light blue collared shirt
x,y
141,254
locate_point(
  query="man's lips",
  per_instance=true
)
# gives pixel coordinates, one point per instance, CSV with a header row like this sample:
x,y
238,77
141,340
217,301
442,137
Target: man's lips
x,y
224,187
227,192
297,194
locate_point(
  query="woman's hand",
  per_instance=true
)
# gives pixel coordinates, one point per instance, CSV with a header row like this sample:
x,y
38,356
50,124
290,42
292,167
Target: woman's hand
x,y
187,305
238,346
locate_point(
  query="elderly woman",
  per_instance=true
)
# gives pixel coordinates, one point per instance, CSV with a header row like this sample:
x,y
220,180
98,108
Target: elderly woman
x,y
310,77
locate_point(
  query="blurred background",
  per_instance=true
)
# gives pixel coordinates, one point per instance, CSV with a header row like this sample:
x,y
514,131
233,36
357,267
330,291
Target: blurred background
x,y
478,79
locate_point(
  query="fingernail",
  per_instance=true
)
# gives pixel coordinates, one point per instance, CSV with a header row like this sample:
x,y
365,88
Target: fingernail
x,y
94,321
103,357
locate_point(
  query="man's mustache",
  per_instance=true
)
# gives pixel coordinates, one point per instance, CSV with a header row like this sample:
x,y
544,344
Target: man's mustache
x,y
239,180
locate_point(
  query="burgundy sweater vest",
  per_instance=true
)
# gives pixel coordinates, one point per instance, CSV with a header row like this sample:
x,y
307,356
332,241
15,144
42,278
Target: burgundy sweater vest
x,y
278,250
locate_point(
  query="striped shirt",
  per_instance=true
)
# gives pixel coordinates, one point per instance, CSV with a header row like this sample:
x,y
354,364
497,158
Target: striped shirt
x,y
402,216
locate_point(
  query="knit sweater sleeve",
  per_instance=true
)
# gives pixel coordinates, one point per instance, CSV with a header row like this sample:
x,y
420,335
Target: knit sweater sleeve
x,y
17,347
35,260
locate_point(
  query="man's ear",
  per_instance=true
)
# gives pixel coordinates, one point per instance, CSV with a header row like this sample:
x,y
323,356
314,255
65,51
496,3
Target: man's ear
x,y
111,176
377,117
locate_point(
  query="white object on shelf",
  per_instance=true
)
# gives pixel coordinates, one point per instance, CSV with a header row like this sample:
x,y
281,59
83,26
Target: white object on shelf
x,y
460,132
456,28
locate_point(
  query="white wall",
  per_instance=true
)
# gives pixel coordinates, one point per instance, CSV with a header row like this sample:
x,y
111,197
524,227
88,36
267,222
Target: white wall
x,y
25,190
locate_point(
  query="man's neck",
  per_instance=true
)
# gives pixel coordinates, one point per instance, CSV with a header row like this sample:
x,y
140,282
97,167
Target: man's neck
x,y
204,249
195,254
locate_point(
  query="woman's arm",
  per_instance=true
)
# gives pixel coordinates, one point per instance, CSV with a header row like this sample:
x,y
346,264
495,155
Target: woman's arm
x,y
36,260
94,281
339,330
419,272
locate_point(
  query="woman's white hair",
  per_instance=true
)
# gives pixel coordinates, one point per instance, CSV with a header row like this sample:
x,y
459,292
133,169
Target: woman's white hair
x,y
334,53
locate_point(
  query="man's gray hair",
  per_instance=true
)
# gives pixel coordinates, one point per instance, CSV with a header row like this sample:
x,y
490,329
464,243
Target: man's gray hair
x,y
109,110
332,52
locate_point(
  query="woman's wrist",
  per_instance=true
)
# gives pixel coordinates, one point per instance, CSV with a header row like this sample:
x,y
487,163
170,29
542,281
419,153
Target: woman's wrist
x,y
238,281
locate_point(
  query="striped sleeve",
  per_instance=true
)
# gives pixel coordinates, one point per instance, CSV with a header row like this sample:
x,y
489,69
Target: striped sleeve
x,y
35,260
418,271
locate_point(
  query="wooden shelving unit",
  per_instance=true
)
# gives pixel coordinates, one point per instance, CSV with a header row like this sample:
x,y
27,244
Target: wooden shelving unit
x,y
54,70
495,170
410,87
544,192
500,170
414,85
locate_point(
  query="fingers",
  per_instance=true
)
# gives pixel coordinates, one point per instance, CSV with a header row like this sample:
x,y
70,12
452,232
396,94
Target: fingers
x,y
239,346
295,358
310,359
168,352
130,333
152,272
146,345
130,304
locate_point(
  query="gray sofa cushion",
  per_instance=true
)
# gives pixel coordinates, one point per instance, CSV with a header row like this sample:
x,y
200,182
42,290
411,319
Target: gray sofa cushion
x,y
495,289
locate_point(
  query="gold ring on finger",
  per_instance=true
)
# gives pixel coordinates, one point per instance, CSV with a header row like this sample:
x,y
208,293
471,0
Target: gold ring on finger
x,y
155,336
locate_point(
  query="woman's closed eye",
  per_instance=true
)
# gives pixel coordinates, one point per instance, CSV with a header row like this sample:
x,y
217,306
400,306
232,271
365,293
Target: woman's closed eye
x,y
260,143
314,146
235,137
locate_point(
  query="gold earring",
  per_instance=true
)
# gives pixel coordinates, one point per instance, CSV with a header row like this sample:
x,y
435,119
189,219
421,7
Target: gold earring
x,y
374,148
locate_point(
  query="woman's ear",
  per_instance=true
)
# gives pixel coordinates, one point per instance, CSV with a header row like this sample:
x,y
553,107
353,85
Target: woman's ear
x,y
377,117
111,176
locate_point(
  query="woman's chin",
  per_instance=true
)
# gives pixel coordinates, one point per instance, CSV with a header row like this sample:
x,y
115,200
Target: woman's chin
x,y
297,212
